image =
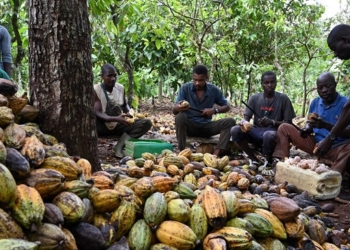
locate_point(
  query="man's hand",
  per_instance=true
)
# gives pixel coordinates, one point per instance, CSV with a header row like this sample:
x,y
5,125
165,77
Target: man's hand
x,y
306,131
318,122
208,112
265,122
180,107
246,126
122,119
323,147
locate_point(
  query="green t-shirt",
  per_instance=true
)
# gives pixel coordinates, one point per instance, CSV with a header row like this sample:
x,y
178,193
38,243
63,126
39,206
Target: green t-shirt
x,y
4,75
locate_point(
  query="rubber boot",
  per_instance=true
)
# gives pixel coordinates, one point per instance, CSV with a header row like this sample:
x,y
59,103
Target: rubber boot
x,y
118,148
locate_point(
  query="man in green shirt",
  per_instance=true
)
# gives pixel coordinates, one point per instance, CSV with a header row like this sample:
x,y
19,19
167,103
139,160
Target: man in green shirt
x,y
4,75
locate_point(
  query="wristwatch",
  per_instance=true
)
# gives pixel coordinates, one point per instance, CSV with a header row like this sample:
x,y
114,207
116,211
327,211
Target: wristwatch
x,y
216,110
332,137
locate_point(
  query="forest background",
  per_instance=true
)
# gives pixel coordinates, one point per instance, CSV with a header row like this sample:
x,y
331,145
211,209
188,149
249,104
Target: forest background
x,y
155,44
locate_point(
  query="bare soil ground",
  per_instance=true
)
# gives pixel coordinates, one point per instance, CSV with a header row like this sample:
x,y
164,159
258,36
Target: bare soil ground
x,y
160,113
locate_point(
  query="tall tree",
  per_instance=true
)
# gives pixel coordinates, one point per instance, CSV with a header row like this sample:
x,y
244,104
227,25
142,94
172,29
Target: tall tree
x,y
61,80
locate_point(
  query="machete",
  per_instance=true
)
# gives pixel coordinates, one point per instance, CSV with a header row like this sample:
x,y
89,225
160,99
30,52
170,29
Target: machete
x,y
196,109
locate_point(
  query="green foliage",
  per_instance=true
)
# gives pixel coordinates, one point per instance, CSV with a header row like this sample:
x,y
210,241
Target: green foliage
x,y
156,43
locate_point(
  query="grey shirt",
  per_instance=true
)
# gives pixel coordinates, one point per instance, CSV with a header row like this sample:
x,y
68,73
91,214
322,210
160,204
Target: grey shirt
x,y
280,109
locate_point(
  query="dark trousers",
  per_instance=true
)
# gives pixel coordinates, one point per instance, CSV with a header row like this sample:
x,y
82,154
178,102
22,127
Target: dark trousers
x,y
135,130
264,138
185,127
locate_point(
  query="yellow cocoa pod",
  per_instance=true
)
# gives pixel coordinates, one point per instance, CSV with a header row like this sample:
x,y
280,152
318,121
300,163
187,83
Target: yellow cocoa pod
x,y
106,200
123,218
176,234
329,246
190,178
47,182
186,152
172,160
148,156
172,169
9,228
70,242
29,207
184,103
214,207
178,210
163,183
196,157
236,238
222,162
72,207
33,150
184,159
279,231
215,243
130,120
161,246
295,229
101,182
69,168
210,160
144,187
170,195
85,166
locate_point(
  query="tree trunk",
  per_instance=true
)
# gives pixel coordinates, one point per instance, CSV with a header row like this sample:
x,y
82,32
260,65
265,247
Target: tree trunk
x,y
60,71
278,65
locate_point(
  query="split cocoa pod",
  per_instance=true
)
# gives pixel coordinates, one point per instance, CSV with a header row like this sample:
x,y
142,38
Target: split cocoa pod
x,y
246,126
312,116
184,103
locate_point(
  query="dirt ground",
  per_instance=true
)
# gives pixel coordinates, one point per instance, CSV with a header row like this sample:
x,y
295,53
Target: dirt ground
x,y
160,114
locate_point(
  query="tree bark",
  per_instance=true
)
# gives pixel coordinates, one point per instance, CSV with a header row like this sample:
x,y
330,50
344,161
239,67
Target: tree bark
x,y
60,71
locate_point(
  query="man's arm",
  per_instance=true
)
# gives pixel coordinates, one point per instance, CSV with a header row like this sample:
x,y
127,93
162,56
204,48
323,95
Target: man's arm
x,y
6,51
7,67
178,108
344,120
339,129
320,123
224,109
125,107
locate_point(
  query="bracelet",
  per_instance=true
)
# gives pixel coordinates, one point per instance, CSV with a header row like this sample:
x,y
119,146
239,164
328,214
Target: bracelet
x,y
273,122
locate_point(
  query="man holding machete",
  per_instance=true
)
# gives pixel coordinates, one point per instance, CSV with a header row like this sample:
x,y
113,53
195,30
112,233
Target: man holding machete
x,y
194,109
270,109
328,107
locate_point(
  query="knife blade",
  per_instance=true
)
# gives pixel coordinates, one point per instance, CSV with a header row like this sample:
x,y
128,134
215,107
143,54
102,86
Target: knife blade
x,y
196,109
251,109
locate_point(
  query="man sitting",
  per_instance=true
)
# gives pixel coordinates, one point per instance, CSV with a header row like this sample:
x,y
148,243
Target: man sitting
x,y
328,107
195,118
270,109
115,124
